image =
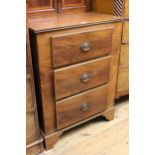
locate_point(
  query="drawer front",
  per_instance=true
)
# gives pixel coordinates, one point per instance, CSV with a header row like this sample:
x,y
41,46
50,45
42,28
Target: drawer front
x,y
125,35
124,57
81,106
81,77
73,48
29,96
123,79
31,128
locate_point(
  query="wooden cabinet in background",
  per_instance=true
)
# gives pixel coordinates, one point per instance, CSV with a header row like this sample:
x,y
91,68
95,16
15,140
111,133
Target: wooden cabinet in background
x,y
119,8
123,72
34,141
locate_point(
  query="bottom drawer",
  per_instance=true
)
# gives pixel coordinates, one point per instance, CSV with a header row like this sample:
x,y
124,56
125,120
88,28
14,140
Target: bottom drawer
x,y
31,128
81,106
123,80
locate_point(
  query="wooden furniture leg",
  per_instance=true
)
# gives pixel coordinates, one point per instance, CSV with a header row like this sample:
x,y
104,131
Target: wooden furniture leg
x,y
109,114
50,140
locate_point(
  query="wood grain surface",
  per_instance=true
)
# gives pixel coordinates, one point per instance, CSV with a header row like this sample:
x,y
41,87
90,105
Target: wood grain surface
x,y
124,56
103,6
68,80
73,6
125,35
126,8
100,71
73,20
123,79
70,110
67,48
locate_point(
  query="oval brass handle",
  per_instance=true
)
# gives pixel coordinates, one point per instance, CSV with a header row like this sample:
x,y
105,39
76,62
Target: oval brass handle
x,y
85,77
85,46
84,107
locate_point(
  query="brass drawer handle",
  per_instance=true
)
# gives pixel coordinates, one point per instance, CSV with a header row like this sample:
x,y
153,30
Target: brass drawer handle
x,y
84,107
85,77
85,46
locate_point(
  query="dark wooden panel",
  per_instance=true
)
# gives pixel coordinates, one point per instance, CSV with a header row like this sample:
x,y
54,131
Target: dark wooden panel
x,y
40,4
70,6
31,128
81,77
41,8
69,49
81,106
29,93
35,148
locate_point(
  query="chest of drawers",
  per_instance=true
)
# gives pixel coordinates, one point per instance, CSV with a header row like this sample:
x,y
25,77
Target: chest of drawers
x,y
75,60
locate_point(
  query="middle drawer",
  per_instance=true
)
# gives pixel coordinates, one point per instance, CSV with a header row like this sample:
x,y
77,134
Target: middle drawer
x,y
81,77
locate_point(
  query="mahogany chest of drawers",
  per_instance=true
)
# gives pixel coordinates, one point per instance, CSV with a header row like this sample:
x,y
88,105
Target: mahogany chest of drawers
x,y
75,60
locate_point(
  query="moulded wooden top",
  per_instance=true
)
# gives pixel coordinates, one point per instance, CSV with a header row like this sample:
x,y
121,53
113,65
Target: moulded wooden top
x,y
44,24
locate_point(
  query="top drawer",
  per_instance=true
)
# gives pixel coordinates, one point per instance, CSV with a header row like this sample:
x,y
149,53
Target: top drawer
x,y
81,46
81,77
